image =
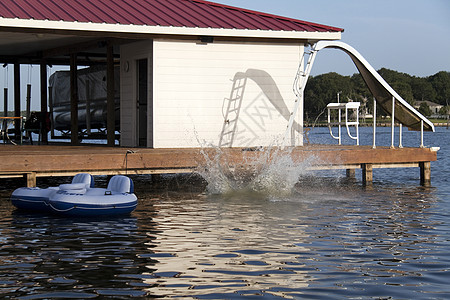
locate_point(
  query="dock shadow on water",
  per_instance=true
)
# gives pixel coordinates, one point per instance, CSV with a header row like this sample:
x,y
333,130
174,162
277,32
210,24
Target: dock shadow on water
x,y
265,172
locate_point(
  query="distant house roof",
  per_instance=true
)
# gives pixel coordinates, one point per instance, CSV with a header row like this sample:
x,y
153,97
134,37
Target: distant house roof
x,y
429,103
153,16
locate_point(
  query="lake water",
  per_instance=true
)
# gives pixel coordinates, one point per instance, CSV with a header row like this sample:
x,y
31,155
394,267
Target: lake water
x,y
329,238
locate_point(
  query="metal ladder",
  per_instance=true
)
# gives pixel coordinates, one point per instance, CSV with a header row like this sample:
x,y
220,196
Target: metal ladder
x,y
231,115
299,86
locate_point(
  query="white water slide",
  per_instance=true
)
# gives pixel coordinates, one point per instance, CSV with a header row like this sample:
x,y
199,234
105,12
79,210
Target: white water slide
x,y
384,94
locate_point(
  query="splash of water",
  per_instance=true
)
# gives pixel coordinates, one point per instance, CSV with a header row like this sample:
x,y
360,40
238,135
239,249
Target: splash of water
x,y
270,171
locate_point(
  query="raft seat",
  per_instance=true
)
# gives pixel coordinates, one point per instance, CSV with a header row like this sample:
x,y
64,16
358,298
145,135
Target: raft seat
x,y
120,184
85,178
80,183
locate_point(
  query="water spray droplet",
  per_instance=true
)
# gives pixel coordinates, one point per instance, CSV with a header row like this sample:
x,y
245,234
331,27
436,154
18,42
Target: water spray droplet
x,y
269,171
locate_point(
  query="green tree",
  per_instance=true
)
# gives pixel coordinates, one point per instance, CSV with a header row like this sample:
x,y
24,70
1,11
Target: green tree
x,y
392,76
404,90
441,83
360,87
400,82
424,109
422,89
323,89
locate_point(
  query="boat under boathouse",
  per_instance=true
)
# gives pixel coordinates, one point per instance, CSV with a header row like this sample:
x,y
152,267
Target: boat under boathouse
x,y
191,74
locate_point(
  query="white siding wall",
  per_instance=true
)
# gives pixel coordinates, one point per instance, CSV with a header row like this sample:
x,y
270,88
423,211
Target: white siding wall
x,y
192,82
129,54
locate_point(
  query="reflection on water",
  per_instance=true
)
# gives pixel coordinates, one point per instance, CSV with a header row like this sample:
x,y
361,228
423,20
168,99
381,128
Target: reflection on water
x,y
328,238
43,256
349,244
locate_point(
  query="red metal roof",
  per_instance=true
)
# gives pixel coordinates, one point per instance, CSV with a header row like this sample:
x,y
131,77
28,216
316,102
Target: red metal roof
x,y
176,13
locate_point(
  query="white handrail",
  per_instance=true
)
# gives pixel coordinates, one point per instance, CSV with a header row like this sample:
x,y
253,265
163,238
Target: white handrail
x,y
374,122
299,87
347,123
393,122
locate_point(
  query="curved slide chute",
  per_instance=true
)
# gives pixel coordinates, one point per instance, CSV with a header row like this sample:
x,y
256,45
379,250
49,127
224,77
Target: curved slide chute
x,y
381,90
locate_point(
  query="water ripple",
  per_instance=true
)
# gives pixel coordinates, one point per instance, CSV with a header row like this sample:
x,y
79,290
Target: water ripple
x,y
330,239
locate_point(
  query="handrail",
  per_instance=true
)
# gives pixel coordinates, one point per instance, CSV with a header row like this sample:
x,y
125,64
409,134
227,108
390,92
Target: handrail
x,y
339,107
299,85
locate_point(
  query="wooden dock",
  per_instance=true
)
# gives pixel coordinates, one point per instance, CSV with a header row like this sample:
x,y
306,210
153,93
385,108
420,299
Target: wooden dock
x,y
31,162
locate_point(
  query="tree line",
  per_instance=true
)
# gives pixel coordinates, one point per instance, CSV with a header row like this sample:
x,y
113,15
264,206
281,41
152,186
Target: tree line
x,y
323,89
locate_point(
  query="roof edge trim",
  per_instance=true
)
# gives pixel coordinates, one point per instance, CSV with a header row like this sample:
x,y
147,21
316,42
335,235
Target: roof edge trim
x,y
145,29
268,15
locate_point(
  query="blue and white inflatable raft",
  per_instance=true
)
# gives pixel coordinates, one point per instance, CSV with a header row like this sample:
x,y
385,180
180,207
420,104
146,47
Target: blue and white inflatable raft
x,y
80,198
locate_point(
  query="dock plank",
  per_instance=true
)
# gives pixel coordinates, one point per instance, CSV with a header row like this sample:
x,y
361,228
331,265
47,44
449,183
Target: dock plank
x,y
56,160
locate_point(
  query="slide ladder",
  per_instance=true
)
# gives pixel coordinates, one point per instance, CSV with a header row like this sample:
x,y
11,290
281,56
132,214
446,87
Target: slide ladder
x,y
231,116
299,86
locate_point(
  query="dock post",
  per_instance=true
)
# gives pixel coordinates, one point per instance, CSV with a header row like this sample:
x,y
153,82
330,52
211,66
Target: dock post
x,y
30,179
425,173
110,104
50,106
88,107
5,101
17,112
73,100
350,173
367,174
28,101
44,102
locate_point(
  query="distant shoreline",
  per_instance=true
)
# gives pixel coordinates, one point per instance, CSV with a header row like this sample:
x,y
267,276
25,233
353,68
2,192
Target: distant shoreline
x,y
437,124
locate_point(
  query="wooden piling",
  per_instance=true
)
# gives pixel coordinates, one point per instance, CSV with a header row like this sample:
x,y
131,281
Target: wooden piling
x,y
425,173
350,173
367,174
30,179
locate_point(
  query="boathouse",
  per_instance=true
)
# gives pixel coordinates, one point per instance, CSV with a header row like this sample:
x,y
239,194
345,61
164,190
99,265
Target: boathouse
x,y
190,70
192,74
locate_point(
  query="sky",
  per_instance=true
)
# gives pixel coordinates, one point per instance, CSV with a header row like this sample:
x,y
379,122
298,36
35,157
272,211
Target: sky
x,y
409,36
